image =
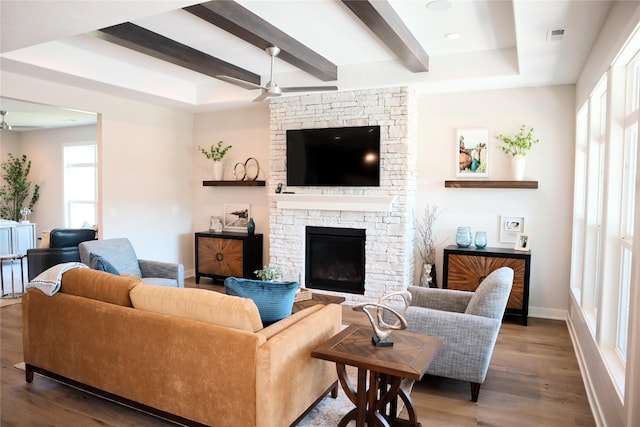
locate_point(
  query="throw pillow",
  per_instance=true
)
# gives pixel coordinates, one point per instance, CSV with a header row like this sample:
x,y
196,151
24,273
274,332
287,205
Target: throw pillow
x,y
99,263
273,299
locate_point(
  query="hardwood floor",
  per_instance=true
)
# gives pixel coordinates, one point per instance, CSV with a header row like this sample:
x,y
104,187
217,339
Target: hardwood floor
x,y
533,380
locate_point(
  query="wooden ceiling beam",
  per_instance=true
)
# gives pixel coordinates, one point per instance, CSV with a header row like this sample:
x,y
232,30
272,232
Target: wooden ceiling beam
x,y
385,23
242,23
144,41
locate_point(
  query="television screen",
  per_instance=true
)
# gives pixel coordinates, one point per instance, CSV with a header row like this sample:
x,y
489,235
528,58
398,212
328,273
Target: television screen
x,y
348,156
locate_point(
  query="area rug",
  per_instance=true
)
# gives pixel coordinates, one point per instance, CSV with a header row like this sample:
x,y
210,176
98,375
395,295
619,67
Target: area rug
x,y
330,411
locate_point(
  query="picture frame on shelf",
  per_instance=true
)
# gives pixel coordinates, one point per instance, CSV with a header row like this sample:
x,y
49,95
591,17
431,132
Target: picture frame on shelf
x,y
236,217
472,153
510,226
523,242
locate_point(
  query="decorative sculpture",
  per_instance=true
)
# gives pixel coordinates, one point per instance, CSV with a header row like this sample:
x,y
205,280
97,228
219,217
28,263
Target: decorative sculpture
x,y
380,327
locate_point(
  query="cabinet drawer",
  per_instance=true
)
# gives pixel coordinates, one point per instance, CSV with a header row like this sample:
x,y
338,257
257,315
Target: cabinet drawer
x,y
220,257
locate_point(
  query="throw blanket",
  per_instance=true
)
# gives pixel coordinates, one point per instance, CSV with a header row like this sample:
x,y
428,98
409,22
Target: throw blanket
x,y
49,281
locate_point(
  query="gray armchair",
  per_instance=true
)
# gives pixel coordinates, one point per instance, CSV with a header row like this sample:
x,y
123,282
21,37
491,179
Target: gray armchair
x,y
120,254
469,322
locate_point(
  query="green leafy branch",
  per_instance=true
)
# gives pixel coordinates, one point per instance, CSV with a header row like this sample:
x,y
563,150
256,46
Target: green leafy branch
x,y
16,188
215,152
519,144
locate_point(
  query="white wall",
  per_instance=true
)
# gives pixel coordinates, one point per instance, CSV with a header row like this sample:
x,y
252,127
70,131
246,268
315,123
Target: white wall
x,y
44,149
146,156
547,210
247,130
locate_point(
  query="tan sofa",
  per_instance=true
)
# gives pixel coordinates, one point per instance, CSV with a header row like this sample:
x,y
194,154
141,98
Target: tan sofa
x,y
222,369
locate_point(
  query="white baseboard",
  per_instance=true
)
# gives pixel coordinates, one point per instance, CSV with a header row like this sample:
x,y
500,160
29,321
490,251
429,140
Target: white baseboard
x,y
548,313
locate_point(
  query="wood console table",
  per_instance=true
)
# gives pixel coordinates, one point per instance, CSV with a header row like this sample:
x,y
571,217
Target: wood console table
x,y
386,367
465,268
223,254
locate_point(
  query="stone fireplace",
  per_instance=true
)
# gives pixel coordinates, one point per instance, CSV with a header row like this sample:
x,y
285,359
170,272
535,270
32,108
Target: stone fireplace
x,y
384,214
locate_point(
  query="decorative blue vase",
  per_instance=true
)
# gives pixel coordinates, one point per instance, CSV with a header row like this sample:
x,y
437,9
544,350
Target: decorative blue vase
x,y
251,227
463,237
481,240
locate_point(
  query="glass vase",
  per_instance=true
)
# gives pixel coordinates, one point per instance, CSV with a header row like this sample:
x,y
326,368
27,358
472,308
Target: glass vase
x,y
481,240
463,237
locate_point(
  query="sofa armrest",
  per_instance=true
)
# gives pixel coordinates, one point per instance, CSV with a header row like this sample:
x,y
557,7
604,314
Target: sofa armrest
x,y
285,367
165,270
440,299
468,341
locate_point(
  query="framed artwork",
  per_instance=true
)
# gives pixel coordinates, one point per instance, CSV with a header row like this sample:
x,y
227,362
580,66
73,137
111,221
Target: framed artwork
x,y
236,217
472,153
510,226
523,242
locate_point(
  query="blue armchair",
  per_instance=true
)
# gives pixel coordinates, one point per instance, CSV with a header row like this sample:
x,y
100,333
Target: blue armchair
x,y
121,255
469,322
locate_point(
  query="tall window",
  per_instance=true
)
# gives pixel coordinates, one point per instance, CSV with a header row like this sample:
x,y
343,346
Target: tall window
x,y
604,206
629,171
80,185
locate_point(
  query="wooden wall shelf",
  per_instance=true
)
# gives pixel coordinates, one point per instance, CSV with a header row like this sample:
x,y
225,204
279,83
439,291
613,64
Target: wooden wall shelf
x,y
233,183
490,184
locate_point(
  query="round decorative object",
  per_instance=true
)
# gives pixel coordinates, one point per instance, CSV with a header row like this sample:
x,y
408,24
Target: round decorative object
x,y
481,240
252,169
239,171
463,237
381,328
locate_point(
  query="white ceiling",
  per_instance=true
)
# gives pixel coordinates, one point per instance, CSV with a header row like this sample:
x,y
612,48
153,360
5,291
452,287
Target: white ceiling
x,y
503,44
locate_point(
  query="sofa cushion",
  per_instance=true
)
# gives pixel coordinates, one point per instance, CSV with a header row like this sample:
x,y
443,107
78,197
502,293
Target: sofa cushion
x,y
198,304
99,285
99,263
274,299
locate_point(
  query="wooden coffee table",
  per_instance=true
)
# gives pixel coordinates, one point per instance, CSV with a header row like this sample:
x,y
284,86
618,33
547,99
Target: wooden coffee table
x,y
386,367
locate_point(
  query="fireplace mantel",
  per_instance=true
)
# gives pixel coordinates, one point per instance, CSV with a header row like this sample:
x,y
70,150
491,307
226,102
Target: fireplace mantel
x,y
335,202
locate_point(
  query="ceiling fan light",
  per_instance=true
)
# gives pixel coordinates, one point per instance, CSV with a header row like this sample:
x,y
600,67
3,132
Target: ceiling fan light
x,y
439,5
4,125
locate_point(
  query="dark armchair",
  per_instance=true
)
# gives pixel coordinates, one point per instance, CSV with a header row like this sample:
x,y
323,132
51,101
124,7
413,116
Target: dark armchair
x,y
63,247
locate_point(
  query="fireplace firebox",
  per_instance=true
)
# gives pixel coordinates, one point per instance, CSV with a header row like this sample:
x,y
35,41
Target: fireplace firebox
x,y
335,259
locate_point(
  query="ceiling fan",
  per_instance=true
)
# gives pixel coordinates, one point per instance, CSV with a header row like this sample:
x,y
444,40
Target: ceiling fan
x,y
271,89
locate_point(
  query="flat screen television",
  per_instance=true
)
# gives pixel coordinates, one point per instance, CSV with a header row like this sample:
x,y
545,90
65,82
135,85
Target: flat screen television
x,y
334,157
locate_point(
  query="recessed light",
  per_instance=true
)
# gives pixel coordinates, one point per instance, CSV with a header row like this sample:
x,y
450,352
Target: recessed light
x,y
439,5
452,36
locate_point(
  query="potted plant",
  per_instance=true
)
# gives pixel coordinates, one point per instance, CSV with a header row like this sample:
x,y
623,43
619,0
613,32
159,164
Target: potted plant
x,y
216,153
427,246
16,188
269,273
518,146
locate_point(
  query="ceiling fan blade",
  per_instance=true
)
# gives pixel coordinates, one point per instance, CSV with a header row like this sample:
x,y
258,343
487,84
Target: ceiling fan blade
x,y
241,83
309,88
264,95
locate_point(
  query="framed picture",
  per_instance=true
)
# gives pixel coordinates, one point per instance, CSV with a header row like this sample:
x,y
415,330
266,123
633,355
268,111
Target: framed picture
x,y
510,226
472,148
236,217
523,242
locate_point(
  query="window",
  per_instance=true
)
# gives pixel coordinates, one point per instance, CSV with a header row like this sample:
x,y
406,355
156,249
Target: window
x,y
80,185
604,207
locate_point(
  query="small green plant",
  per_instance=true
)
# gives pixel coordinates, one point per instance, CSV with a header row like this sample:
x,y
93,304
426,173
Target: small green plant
x,y
215,152
269,272
16,188
519,144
